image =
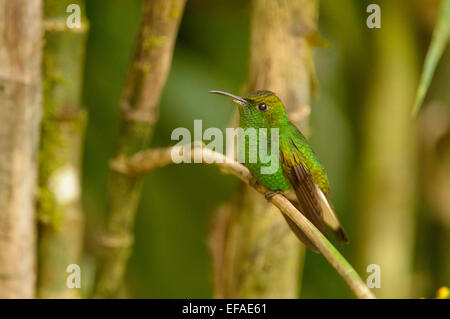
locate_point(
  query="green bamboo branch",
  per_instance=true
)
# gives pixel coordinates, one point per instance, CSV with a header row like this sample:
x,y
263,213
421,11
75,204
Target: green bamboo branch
x,y
441,36
147,75
145,161
62,131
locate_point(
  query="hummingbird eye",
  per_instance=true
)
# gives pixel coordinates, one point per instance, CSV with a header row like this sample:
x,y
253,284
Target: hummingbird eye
x,y
262,107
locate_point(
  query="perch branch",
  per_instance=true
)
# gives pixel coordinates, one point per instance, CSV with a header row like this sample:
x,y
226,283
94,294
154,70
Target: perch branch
x,y
146,161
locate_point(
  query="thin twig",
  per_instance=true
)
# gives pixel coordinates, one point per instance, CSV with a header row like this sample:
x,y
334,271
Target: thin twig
x,y
146,161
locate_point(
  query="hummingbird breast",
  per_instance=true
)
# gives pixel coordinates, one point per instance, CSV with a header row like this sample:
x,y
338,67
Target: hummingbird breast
x,y
252,150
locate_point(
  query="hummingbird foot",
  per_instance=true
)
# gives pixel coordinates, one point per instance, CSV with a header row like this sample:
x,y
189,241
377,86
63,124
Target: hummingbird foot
x,y
253,182
269,195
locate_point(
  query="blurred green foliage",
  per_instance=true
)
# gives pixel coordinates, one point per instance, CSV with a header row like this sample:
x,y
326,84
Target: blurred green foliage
x,y
170,257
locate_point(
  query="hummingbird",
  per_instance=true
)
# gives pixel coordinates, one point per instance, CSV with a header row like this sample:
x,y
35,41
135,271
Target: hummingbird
x,y
300,177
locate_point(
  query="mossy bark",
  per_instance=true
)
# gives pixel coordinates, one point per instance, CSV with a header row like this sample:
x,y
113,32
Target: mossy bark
x,y
20,113
262,258
139,111
62,131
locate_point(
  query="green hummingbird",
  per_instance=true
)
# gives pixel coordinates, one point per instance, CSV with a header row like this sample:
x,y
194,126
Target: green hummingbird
x,y
300,177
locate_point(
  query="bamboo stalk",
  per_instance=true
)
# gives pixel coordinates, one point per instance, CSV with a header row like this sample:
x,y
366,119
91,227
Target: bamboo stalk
x,y
62,131
386,193
435,173
281,61
20,113
146,161
139,105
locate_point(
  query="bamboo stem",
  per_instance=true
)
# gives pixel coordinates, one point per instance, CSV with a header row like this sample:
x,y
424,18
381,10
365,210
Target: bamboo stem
x,y
20,113
139,105
386,192
146,161
435,172
281,61
62,131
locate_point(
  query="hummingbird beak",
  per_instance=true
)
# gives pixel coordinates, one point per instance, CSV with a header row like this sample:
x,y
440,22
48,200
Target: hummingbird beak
x,y
235,98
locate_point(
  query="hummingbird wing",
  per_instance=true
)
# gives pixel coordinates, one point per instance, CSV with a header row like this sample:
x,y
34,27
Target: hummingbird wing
x,y
304,188
311,200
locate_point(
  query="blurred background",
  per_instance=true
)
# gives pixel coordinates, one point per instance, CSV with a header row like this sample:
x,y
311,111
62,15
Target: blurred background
x,y
389,173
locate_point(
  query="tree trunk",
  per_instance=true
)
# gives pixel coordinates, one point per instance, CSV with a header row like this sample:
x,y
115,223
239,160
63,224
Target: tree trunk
x,y
139,105
20,112
62,132
262,258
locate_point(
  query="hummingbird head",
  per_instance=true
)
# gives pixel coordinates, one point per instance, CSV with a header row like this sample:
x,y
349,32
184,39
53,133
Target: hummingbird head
x,y
259,109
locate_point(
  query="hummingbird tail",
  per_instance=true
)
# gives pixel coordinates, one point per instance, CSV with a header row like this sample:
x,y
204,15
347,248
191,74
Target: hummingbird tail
x,y
330,217
301,235
341,235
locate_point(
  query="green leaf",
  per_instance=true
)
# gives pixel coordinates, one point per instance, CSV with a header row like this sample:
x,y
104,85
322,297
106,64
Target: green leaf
x,y
440,38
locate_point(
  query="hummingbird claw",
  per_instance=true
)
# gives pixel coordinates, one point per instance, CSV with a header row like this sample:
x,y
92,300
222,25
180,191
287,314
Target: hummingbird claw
x,y
269,195
253,182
